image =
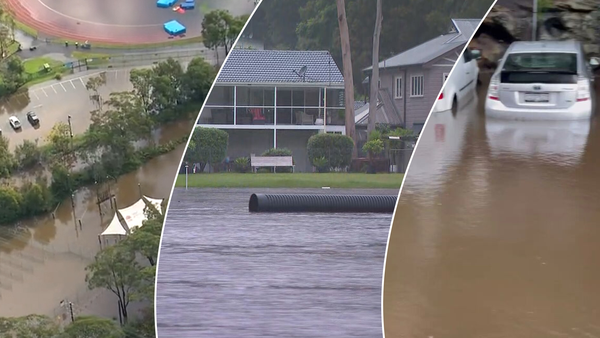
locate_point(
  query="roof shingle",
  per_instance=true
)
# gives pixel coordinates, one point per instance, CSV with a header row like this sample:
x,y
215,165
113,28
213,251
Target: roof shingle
x,y
279,66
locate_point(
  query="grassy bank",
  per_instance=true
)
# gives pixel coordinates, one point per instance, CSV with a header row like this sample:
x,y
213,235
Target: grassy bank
x,y
295,180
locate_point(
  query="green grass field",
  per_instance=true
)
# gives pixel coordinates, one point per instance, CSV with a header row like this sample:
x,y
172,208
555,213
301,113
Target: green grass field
x,y
295,180
35,65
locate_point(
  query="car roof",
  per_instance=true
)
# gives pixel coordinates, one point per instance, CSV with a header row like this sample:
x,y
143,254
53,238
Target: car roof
x,y
545,46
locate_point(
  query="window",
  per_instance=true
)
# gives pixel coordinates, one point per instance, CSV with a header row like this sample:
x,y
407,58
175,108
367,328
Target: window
x,y
398,87
444,78
416,85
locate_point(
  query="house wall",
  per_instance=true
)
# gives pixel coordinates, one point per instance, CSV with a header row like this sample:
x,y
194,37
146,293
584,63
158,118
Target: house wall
x,y
243,143
418,108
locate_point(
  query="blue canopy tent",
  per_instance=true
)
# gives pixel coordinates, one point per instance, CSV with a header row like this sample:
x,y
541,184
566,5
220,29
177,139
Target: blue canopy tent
x,y
165,3
174,28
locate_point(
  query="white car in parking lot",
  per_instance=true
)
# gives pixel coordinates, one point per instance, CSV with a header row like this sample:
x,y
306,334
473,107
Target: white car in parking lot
x,y
542,80
14,122
460,86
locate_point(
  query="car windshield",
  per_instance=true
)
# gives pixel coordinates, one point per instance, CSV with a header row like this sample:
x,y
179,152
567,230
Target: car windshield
x,y
565,63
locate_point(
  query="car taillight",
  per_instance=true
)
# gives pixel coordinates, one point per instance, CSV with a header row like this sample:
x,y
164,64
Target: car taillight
x,y
441,96
583,90
493,89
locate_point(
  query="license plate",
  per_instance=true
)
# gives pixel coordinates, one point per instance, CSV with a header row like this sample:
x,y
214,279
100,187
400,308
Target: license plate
x,y
537,97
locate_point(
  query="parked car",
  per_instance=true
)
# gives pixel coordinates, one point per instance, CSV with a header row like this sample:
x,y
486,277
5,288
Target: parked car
x,y
33,118
461,85
14,122
543,80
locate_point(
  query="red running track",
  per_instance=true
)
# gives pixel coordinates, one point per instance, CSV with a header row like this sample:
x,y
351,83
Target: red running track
x,y
33,14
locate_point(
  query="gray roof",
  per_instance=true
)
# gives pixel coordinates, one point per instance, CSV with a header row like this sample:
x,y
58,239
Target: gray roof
x,y
462,30
278,66
386,113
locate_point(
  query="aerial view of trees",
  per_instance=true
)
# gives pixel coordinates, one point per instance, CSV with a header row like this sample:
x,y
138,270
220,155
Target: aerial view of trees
x,y
221,29
160,95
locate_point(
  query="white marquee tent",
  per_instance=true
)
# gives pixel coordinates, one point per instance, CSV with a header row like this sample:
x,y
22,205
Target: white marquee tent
x,y
132,216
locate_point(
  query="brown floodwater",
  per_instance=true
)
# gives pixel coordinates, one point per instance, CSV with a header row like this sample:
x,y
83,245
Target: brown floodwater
x,y
44,263
497,231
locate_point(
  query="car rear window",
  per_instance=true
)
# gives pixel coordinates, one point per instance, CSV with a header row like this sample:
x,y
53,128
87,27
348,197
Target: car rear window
x,y
540,68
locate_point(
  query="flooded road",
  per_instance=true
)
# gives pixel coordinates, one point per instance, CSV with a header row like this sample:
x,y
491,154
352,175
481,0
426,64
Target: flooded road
x,y
44,264
224,272
497,231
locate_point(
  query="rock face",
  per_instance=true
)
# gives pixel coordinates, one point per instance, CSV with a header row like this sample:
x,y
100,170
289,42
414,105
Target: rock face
x,y
511,20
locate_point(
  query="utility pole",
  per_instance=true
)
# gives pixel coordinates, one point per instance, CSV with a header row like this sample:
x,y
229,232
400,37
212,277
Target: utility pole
x,y
534,24
72,155
186,175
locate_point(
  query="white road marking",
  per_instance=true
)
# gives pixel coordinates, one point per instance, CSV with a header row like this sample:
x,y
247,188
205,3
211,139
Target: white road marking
x,y
44,92
83,83
36,97
72,84
55,92
63,87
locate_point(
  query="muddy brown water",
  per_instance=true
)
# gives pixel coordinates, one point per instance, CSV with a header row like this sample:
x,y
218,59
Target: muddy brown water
x,y
44,263
497,231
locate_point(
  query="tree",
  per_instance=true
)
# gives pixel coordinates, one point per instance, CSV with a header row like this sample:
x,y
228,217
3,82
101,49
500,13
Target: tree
x,y
115,269
93,327
7,161
31,326
93,85
28,154
5,41
327,151
220,29
214,30
141,79
61,185
375,71
347,65
144,327
36,199
12,75
210,147
59,140
146,240
11,202
198,79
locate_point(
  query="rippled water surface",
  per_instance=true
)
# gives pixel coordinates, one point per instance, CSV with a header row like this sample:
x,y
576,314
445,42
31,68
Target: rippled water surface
x,y
497,231
224,272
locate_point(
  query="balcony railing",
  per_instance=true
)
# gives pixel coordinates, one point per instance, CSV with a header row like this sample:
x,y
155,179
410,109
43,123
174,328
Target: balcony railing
x,y
266,116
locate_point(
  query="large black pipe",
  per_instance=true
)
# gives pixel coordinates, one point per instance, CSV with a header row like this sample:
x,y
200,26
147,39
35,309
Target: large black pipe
x,y
321,203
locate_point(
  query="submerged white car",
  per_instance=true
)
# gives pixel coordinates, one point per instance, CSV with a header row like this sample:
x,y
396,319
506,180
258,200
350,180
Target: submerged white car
x,y
542,80
461,85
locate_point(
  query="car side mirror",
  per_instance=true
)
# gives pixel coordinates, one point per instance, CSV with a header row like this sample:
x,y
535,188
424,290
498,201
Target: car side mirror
x,y
476,54
595,62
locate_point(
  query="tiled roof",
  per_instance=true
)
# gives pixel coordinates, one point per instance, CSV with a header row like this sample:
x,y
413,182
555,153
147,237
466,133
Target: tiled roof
x,y
279,66
436,47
